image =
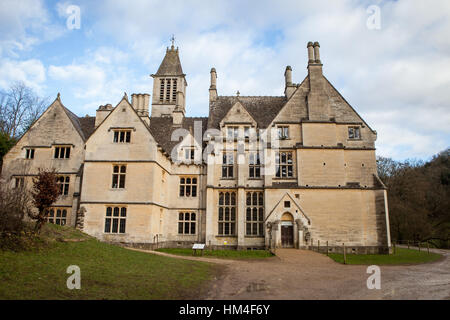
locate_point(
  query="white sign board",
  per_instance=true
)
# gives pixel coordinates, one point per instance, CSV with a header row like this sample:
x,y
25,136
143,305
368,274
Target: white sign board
x,y
199,246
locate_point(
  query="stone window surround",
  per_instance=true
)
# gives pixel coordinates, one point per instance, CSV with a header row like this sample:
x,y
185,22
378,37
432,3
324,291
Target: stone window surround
x,y
254,209
187,220
118,176
185,185
117,220
227,206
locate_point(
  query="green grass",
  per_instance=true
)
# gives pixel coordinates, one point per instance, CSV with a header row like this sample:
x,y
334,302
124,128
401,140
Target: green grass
x,y
226,254
402,256
107,271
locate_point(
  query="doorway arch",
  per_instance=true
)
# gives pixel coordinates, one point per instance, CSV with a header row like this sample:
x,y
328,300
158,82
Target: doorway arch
x,y
287,230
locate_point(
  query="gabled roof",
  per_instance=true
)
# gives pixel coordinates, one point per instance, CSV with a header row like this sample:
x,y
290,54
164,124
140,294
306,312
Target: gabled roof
x,y
171,65
262,108
162,128
84,127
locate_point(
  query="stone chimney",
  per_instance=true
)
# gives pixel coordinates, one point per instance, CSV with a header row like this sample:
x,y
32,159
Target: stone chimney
x,y
140,103
317,99
102,113
213,86
290,87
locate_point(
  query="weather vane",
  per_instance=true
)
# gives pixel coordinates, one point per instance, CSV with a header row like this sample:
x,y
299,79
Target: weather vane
x,y
172,39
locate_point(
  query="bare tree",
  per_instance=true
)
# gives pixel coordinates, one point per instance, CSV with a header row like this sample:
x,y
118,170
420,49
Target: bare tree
x,y
20,106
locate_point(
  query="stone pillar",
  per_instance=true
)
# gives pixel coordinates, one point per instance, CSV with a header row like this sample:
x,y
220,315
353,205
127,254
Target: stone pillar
x,y
240,217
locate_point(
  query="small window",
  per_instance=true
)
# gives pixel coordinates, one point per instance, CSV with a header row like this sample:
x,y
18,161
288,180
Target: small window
x,y
188,187
29,153
62,153
232,133
283,132
287,204
254,165
284,165
187,223
354,133
122,136
246,132
19,182
118,177
63,183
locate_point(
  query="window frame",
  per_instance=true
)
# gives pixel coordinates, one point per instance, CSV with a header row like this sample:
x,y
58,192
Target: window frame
x,y
254,167
187,221
122,136
191,186
61,152
115,224
63,184
354,133
227,204
228,165
283,132
254,214
29,153
119,177
286,167
51,215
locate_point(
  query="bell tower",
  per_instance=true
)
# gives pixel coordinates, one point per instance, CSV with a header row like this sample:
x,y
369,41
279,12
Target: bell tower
x,y
169,87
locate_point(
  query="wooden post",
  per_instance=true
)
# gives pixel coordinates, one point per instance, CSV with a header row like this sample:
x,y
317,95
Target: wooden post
x,y
428,247
318,246
312,244
408,244
327,247
345,257
419,246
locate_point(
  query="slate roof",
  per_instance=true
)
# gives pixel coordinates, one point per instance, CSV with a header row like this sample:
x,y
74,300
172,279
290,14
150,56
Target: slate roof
x,y
161,129
84,125
263,108
171,65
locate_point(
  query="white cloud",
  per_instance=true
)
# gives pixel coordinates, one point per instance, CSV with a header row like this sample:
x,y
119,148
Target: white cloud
x,y
31,72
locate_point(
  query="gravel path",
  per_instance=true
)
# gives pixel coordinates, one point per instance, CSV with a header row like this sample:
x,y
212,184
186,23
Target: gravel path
x,y
299,274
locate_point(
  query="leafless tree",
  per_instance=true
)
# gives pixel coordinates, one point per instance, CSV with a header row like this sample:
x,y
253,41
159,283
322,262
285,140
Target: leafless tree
x,y
20,106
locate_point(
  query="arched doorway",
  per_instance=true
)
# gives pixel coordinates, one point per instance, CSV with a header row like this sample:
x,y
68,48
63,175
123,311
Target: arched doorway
x,y
287,230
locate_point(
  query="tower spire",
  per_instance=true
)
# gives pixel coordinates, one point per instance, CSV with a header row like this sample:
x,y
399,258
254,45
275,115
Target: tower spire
x,y
173,41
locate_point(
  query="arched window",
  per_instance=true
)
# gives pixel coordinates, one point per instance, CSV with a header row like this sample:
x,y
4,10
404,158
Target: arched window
x,y
255,214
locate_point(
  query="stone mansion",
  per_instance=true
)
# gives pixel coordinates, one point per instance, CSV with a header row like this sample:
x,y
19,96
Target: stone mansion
x,y
258,172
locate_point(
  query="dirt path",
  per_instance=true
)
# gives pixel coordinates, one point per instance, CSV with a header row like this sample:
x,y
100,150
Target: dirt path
x,y
299,274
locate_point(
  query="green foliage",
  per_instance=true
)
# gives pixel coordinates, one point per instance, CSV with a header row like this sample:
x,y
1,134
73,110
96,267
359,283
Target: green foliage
x,y
401,256
419,198
228,254
6,143
107,271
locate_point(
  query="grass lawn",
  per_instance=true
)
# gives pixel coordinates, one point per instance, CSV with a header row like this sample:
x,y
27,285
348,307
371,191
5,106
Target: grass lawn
x,y
107,272
401,256
227,254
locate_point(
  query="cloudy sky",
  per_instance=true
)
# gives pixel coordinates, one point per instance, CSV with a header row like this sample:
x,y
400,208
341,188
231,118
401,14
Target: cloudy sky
x,y
395,70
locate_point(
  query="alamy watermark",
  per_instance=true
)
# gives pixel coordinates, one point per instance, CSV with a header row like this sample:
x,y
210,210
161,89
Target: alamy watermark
x,y
374,280
73,17
374,20
74,280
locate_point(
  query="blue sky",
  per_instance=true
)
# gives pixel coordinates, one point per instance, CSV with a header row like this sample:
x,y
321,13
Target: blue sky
x,y
397,77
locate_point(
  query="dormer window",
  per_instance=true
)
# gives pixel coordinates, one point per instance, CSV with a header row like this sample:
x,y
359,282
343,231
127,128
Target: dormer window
x,y
354,133
189,153
122,136
232,132
283,132
62,152
29,153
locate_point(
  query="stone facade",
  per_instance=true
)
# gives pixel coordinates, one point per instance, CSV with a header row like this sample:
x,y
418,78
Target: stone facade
x,y
297,170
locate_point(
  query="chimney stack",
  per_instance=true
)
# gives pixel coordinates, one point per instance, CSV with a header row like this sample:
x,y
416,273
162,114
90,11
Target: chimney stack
x,y
140,103
317,99
213,87
289,87
102,113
